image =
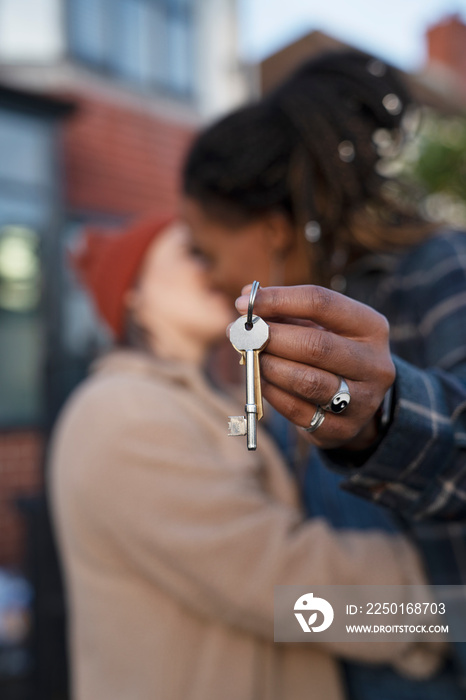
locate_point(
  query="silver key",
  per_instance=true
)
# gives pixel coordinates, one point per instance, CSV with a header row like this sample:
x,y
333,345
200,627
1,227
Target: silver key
x,y
249,339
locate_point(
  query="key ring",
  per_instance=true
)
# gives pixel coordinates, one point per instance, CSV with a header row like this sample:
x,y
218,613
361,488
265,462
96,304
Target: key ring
x,y
252,299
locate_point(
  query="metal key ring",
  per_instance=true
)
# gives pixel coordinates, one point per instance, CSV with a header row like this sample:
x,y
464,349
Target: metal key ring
x,y
252,299
317,420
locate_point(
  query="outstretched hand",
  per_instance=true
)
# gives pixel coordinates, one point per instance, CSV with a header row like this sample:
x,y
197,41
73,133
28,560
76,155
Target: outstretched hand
x,y
317,336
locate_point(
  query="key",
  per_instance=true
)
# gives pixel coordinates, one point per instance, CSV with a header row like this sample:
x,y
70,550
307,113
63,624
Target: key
x,y
257,386
249,339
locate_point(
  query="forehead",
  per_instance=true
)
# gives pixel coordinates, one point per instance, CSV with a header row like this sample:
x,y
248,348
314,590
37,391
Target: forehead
x,y
201,225
211,234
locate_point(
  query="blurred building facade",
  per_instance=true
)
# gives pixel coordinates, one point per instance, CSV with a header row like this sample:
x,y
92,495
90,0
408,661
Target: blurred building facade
x,y
98,101
447,53
440,83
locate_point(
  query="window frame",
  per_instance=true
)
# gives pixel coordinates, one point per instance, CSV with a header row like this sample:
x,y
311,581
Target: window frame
x,y
47,111
180,11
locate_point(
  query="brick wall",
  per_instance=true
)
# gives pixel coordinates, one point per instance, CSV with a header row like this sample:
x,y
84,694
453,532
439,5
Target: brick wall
x,y
447,45
20,475
120,160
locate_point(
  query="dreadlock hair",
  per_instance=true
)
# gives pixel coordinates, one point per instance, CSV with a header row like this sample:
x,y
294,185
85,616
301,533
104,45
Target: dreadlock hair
x,y
310,150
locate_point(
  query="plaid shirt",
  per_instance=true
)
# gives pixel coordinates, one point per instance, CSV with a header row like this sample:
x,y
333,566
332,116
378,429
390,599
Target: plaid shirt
x,y
419,468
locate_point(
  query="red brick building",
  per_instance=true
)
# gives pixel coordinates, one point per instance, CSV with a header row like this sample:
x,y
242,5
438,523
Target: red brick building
x,y
137,76
447,50
121,161
117,161
441,83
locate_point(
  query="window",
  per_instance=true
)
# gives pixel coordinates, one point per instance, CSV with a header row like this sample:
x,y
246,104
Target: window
x,y
26,209
21,342
149,42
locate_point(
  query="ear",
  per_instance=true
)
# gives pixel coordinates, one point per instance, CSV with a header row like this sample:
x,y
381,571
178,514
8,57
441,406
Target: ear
x,y
281,235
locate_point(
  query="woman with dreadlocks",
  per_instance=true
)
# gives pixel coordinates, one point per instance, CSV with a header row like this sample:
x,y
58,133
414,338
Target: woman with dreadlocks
x,y
290,191
366,302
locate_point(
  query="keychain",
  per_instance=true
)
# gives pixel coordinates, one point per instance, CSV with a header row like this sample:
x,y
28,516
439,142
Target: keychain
x,y
249,335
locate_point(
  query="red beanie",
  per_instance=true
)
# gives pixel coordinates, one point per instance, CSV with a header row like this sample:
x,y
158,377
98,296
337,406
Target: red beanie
x,y
107,265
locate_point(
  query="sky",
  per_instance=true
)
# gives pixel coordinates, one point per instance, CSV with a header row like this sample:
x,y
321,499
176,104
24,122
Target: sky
x,y
393,29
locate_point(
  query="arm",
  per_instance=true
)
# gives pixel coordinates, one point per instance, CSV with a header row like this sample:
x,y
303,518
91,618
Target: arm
x,y
419,466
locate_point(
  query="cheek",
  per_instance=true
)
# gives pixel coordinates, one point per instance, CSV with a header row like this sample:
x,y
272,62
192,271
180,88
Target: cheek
x,y
161,299
248,268
202,316
198,305
188,290
238,267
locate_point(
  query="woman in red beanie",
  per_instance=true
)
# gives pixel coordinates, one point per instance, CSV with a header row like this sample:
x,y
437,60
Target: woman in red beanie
x,y
172,535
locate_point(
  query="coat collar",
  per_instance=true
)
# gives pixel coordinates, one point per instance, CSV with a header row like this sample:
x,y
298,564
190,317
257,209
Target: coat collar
x,y
215,403
141,362
193,377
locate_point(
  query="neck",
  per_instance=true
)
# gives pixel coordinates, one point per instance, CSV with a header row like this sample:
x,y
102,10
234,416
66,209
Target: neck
x,y
171,345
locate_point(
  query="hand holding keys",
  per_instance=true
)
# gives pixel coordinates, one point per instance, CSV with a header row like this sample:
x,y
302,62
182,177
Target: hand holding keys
x,y
249,335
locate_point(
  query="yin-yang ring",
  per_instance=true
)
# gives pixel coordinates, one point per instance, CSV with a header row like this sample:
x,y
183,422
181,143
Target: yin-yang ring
x,y
339,401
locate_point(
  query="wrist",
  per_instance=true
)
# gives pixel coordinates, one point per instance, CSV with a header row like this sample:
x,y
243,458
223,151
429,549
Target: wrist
x,y
373,433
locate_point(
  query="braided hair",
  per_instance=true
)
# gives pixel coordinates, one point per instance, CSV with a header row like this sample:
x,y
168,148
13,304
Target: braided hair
x,y
311,150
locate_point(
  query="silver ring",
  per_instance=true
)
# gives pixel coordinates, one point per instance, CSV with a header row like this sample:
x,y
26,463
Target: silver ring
x,y
252,299
340,400
316,422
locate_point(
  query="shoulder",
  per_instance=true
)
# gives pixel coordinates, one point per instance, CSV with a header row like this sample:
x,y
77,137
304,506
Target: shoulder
x,y
438,255
116,402
425,301
118,392
434,268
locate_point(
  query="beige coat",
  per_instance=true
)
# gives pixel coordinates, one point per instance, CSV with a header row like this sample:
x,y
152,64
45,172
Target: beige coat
x,y
173,537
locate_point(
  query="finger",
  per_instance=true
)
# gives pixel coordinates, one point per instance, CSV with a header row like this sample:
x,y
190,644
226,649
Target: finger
x,y
246,290
325,307
312,385
332,433
292,321
320,349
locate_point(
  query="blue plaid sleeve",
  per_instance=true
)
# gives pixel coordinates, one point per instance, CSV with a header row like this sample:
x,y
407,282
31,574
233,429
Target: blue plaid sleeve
x,y
442,546
419,468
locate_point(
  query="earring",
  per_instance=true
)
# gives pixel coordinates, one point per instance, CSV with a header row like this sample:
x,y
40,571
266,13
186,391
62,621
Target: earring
x,y
346,151
376,68
392,103
312,231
